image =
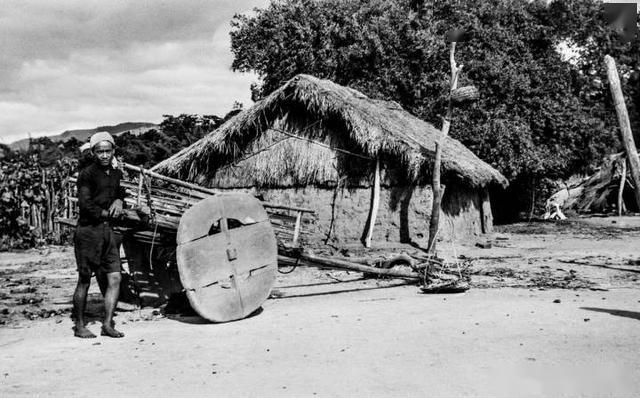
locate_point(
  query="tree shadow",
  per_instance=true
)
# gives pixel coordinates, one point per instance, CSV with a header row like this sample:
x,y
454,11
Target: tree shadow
x,y
623,313
319,283
358,289
400,200
609,267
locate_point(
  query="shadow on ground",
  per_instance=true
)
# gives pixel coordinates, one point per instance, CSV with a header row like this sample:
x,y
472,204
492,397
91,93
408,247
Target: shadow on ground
x,y
623,313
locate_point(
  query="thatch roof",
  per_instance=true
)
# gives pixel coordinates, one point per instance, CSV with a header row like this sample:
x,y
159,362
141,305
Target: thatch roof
x,y
300,134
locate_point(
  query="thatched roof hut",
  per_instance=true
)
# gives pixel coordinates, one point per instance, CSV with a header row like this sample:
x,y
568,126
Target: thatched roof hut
x,y
301,133
605,189
312,138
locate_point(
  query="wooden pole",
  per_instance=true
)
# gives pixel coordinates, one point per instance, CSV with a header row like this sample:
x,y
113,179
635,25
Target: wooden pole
x,y
175,181
139,197
625,125
375,205
48,210
198,188
342,264
296,229
67,200
485,211
623,181
435,180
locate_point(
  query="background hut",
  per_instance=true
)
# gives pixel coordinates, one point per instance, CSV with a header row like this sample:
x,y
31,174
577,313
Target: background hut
x,y
316,144
609,188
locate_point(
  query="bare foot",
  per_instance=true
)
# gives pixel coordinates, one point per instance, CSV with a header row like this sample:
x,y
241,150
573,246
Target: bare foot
x,y
110,331
83,332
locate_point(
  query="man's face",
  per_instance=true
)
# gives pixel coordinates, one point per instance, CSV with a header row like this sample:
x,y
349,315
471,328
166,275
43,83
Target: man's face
x,y
103,152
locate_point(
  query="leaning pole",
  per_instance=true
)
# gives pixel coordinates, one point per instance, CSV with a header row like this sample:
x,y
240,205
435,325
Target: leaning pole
x,y
625,125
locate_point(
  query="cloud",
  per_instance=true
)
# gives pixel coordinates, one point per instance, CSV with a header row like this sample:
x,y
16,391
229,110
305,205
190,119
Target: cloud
x,y
79,64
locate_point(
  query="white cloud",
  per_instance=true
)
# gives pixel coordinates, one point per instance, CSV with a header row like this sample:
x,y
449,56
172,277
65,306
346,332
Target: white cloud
x,y
86,63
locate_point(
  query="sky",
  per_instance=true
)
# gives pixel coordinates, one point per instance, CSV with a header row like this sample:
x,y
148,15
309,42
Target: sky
x,y
84,63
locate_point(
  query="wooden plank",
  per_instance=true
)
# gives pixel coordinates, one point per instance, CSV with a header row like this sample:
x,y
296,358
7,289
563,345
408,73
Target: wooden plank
x,y
625,125
286,207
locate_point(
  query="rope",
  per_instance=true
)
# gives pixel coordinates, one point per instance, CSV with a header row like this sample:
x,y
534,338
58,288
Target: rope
x,y
322,144
234,164
292,268
152,216
153,241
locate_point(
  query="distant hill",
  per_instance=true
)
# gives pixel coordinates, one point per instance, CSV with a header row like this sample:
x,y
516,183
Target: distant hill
x,y
134,128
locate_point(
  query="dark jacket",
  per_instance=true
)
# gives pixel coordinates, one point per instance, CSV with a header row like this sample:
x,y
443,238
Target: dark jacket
x,y
97,190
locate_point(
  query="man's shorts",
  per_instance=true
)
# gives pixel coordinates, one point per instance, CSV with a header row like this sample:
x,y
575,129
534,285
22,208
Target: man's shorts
x,y
96,249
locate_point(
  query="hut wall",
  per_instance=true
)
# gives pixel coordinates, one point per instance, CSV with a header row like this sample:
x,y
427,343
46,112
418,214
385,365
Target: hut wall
x,y
403,215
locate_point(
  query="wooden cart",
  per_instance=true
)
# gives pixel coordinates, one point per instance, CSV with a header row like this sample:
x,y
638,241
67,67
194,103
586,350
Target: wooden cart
x,y
222,249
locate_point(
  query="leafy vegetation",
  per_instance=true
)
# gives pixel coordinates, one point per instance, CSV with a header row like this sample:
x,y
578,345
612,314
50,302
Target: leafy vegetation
x,y
540,115
33,181
176,132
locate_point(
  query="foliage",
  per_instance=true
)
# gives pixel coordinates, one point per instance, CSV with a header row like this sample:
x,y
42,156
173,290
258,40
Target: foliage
x,y
539,115
28,177
176,132
29,195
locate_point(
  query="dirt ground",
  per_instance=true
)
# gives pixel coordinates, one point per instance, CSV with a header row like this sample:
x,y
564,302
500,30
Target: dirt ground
x,y
553,311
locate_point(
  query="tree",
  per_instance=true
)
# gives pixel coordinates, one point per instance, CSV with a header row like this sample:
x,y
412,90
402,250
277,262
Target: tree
x,y
584,25
535,118
176,132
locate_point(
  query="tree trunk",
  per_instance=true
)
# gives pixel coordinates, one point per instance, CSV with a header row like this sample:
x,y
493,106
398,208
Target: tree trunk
x,y
434,222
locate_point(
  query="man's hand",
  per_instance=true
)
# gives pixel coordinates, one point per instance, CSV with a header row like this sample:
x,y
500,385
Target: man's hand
x,y
143,212
115,210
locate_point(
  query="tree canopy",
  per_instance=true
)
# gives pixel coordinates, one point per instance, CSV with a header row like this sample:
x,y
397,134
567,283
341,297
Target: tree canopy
x,y
539,114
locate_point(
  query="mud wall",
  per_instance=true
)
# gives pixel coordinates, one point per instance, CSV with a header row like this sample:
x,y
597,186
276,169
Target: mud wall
x,y
403,215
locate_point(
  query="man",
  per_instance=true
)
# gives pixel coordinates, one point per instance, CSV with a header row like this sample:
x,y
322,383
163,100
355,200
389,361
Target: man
x,y
100,199
86,157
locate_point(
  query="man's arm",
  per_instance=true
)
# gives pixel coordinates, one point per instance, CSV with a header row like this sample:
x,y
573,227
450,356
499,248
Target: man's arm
x,y
86,205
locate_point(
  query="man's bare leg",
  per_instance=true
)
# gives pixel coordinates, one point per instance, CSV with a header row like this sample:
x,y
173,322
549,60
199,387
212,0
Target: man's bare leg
x,y
110,302
103,283
79,304
101,277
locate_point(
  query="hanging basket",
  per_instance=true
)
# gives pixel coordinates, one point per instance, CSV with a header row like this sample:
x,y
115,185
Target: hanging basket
x,y
464,94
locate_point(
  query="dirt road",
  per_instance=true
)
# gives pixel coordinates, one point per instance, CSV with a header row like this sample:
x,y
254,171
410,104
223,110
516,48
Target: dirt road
x,y
385,342
568,327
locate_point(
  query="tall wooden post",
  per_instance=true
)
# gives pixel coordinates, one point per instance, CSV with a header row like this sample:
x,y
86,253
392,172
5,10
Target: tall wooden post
x,y
625,125
623,182
140,180
485,211
435,180
375,204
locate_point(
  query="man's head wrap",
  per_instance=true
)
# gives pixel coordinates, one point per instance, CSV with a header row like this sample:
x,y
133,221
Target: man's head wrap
x,y
85,147
99,137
